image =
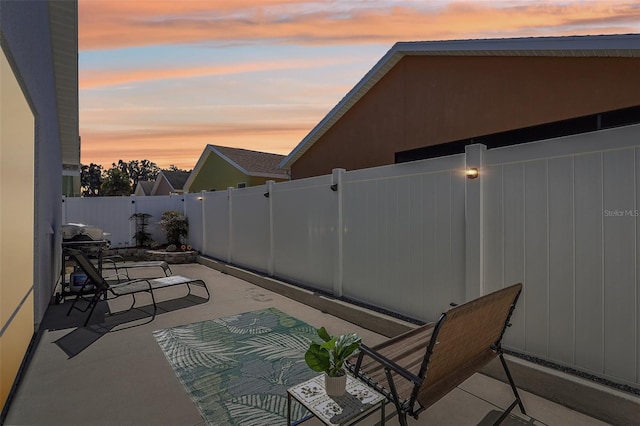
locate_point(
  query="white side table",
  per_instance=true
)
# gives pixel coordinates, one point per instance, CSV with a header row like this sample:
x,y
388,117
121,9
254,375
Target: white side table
x,y
358,402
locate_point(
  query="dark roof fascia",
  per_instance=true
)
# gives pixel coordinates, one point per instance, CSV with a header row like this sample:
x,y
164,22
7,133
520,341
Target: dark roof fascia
x,y
618,45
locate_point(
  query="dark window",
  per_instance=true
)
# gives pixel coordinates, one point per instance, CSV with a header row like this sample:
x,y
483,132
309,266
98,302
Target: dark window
x,y
573,126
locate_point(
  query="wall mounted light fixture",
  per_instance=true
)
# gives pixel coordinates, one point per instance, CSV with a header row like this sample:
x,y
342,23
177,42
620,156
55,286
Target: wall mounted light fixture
x,y
200,198
266,194
334,187
471,173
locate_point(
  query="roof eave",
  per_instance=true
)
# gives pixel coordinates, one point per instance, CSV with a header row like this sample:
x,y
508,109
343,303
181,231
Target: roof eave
x,y
268,175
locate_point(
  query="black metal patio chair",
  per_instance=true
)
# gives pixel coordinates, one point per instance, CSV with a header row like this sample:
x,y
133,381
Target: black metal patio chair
x,y
103,287
417,368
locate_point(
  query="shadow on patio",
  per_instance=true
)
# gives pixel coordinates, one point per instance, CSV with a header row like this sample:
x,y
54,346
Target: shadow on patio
x,y
113,372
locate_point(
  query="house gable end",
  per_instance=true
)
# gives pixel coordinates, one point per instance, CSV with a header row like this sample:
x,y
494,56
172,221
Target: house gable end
x,y
216,173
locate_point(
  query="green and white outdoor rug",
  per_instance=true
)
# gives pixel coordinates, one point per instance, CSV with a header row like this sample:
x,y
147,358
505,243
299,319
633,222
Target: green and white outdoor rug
x,y
237,369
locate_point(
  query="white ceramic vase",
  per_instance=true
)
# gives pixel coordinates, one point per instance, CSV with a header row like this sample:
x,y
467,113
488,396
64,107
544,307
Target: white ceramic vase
x,y
335,386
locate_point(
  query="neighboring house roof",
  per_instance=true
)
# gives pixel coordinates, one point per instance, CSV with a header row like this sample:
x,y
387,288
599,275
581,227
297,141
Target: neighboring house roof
x,y
144,187
175,179
250,163
627,45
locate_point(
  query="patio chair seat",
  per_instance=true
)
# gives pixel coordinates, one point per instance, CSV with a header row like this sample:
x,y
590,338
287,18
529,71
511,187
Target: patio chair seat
x,y
137,286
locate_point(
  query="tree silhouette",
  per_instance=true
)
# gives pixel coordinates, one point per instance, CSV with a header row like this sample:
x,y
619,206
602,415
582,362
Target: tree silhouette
x,y
143,170
93,176
115,182
90,179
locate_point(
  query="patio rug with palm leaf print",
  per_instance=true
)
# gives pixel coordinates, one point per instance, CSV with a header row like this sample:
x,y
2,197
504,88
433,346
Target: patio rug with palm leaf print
x,y
237,369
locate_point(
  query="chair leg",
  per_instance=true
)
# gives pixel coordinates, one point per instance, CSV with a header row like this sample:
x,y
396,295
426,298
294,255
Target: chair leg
x,y
133,301
90,307
506,413
402,419
155,307
73,304
94,302
402,415
512,383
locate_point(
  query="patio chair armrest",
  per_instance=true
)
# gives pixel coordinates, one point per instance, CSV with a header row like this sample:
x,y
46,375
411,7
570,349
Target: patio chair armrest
x,y
119,277
116,258
386,362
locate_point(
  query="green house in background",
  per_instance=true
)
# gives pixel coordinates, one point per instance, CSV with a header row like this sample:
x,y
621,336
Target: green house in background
x,y
221,167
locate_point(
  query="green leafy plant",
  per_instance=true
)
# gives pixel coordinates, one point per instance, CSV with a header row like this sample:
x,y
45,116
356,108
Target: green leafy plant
x,y
175,225
142,237
329,356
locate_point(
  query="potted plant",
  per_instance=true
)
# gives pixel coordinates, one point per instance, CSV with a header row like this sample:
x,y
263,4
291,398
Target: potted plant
x,y
329,357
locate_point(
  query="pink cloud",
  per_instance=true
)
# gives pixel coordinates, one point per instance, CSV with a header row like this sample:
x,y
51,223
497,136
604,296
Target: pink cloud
x,y
106,24
90,79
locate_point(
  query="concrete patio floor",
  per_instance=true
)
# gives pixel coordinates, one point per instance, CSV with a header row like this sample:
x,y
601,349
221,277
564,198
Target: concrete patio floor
x,y
106,374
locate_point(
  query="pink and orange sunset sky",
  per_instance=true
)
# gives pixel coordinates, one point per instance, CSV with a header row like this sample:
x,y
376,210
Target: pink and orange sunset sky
x,y
161,79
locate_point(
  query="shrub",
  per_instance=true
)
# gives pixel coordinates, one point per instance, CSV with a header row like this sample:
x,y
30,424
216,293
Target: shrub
x,y
175,225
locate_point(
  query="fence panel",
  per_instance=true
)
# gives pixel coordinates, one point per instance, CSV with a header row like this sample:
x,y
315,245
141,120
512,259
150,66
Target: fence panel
x,y
304,226
619,174
109,213
112,214
404,236
155,206
588,285
562,217
193,208
561,225
250,228
216,225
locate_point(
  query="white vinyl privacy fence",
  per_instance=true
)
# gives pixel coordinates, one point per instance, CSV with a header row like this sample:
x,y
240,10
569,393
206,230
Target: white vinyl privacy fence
x,y
563,217
112,215
560,216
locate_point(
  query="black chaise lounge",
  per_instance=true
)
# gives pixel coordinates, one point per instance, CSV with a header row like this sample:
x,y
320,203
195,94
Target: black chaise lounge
x,y
143,285
417,368
118,265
